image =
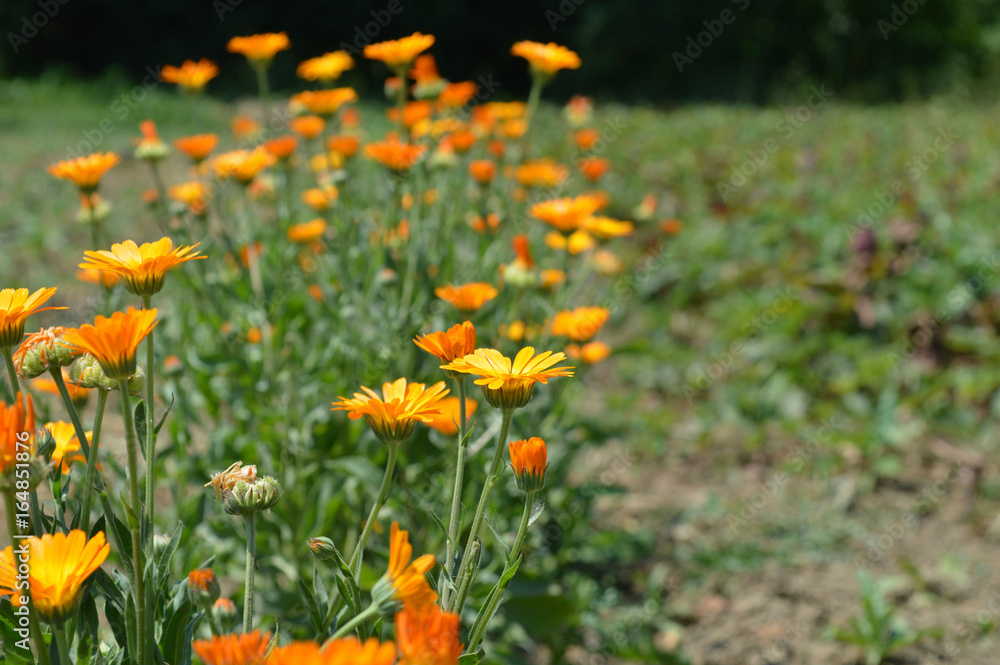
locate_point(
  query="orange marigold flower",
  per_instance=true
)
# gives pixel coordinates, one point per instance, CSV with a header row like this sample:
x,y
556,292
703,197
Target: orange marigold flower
x,y
393,415
514,128
16,305
349,651
606,263
15,419
446,422
296,653
551,277
467,297
142,268
244,127
85,172
202,578
191,76
462,140
326,68
528,460
350,118
399,53
233,649
496,148
546,59
105,278
491,223
113,341
605,227
308,231
413,113
508,384
259,49
456,95
150,146
457,341
396,156
345,145
425,69
577,242
541,173
578,110
580,324
405,582
281,147
566,214
320,199
197,147
64,435
243,165
193,194
59,565
593,168
307,126
504,110
586,139
589,353
325,103
482,170
427,636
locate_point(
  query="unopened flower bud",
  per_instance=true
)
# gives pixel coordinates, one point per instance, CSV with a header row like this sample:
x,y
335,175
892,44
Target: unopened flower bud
x,y
86,372
96,211
224,611
202,587
322,548
160,543
528,459
38,469
45,444
41,351
252,496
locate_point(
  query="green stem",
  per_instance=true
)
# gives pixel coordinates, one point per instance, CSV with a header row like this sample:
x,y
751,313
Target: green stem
x,y
536,92
456,496
135,523
8,358
33,626
484,500
383,492
370,611
262,89
251,566
63,645
150,432
522,530
161,195
92,477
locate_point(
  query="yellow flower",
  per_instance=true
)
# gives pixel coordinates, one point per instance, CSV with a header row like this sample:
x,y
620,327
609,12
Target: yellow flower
x,y
192,76
320,199
546,59
259,49
589,353
577,242
457,341
197,147
16,305
193,194
580,324
407,581
392,416
113,341
308,231
325,68
233,649
399,53
566,214
446,422
528,460
307,126
58,567
428,636
142,268
85,172
508,385
243,165
605,227
541,173
395,155
64,434
467,297
325,103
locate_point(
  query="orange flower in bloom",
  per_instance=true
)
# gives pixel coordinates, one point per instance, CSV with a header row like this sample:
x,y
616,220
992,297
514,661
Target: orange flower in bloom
x,y
197,147
85,172
605,227
593,168
16,305
344,145
425,69
64,435
590,353
427,636
59,565
399,53
606,263
541,173
497,148
350,118
551,277
393,415
243,165
142,268
408,579
281,147
458,341
349,651
671,226
546,59
325,103
577,242
413,113
446,422
113,341
528,459
396,156
504,110
578,110
150,146
307,126
193,194
580,324
296,653
320,199
462,140
259,49
491,223
456,95
586,139
326,68
203,580
308,231
467,297
566,214
105,278
233,649
244,127
514,128
192,76
508,384
482,170
14,421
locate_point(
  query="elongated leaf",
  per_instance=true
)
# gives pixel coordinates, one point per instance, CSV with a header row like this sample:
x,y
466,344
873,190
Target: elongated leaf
x,y
175,634
311,607
472,658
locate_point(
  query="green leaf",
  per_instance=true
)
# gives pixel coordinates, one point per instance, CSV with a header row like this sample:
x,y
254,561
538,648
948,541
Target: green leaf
x,y
311,606
175,634
139,416
472,658
163,562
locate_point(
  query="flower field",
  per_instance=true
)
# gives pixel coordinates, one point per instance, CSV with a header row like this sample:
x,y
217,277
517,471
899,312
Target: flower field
x,y
439,376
